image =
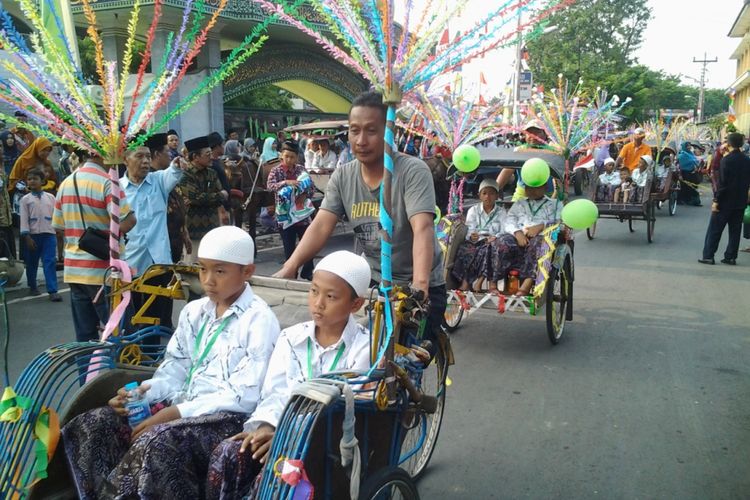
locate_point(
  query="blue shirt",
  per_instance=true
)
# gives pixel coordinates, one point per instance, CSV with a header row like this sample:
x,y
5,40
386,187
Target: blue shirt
x,y
148,241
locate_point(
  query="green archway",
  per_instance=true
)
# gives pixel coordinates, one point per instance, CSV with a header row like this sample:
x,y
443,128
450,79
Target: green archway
x,y
320,80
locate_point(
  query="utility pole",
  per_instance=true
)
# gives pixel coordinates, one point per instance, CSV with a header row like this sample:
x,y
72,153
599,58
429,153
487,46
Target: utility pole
x,y
701,97
517,71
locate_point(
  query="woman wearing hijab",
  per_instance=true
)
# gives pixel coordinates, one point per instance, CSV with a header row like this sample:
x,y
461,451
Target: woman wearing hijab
x,y
689,164
35,155
250,151
269,151
10,151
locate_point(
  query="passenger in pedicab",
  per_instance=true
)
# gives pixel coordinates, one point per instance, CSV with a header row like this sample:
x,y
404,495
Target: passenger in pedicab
x,y
624,191
689,164
208,383
662,170
533,136
331,341
521,246
640,177
608,181
485,222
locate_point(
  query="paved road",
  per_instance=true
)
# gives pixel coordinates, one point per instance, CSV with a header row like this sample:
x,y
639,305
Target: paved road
x,y
647,396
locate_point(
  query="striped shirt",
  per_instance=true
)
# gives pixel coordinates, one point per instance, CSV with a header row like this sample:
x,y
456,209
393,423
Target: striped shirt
x,y
94,189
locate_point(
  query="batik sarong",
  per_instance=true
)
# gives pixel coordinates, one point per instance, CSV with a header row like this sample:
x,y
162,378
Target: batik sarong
x,y
169,461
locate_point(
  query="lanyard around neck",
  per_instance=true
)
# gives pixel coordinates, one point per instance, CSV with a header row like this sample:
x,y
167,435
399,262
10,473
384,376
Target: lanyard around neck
x,y
489,219
206,349
309,358
534,212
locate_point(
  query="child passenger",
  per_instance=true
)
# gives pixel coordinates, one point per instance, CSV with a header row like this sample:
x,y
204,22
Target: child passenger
x,y
640,177
485,223
331,341
625,190
608,181
209,382
521,246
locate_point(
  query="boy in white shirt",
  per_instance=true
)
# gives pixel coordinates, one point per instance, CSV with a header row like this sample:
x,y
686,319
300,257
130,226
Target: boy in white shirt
x,y
608,181
641,177
208,383
332,341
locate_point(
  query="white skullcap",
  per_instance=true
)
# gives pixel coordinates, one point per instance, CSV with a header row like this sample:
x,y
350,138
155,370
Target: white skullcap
x,y
638,131
489,182
647,158
350,267
608,160
227,244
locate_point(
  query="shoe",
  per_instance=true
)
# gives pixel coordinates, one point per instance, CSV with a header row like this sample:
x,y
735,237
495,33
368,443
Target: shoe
x,y
731,262
707,261
34,292
55,297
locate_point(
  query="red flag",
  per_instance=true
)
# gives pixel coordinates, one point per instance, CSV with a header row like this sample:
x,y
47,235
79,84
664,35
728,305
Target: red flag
x,y
445,39
482,102
482,79
448,88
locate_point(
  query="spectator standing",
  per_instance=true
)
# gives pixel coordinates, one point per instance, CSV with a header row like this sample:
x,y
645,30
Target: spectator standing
x,y
202,193
37,209
729,203
85,200
286,174
7,250
173,142
10,151
147,194
689,164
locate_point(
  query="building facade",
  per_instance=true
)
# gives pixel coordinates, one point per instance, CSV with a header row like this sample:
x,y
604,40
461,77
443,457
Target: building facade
x,y
741,85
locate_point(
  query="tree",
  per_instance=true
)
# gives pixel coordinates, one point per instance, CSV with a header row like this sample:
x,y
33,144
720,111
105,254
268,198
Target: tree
x,y
594,38
87,52
268,97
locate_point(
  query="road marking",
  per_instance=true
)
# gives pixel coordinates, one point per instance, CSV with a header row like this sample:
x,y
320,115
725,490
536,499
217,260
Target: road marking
x,y
42,296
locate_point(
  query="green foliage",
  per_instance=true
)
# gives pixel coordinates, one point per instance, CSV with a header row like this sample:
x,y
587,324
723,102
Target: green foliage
x,y
87,52
596,40
268,97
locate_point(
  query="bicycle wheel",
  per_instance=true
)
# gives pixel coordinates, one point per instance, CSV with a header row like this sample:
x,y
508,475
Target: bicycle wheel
x,y
389,483
557,301
454,313
423,429
672,202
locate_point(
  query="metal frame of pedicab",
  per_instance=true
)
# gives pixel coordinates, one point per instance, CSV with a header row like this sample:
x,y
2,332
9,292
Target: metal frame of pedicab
x,y
671,189
553,288
60,383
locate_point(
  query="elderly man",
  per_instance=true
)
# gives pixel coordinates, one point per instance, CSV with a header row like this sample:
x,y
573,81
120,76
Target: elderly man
x,y
147,193
630,154
202,192
353,190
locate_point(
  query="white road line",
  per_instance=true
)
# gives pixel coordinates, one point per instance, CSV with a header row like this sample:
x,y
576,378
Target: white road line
x,y
42,296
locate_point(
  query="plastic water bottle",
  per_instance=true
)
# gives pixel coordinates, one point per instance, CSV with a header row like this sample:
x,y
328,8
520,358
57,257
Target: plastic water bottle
x,y
137,406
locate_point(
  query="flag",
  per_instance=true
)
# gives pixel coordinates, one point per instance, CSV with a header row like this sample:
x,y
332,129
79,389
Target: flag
x,y
482,102
445,39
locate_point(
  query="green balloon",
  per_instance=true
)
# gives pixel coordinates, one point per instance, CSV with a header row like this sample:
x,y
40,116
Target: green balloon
x,y
580,214
535,172
466,158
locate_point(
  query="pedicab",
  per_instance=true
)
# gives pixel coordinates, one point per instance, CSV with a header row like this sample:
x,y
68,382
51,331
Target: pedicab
x,y
394,410
667,189
641,205
319,130
553,286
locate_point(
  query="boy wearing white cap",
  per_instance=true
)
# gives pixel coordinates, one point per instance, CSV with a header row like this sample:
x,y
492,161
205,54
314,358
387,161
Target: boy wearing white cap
x,y
332,341
609,180
208,383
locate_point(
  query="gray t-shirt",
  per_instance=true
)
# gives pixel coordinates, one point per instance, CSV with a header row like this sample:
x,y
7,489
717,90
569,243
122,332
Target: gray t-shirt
x,y
413,193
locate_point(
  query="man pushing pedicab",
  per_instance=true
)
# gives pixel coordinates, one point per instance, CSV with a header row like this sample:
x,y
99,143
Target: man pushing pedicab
x,y
353,190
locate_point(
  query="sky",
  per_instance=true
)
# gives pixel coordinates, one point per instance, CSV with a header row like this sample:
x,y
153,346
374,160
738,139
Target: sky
x,y
678,31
